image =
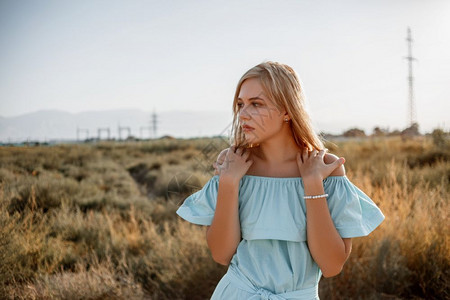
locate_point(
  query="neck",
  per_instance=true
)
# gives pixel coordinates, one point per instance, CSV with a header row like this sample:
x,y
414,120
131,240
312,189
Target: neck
x,y
277,150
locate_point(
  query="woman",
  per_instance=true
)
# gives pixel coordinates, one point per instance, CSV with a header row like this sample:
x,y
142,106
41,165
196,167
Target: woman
x,y
280,211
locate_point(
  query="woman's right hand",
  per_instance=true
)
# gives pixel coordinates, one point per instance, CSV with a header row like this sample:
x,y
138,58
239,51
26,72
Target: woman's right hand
x,y
234,165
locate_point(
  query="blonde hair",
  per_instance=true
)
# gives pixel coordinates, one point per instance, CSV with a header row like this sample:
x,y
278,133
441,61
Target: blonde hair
x,y
282,85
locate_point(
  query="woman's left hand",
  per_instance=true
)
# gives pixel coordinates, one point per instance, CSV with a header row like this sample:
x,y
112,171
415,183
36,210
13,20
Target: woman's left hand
x,y
311,164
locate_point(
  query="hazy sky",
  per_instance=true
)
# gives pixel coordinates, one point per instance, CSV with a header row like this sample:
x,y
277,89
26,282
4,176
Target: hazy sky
x,y
188,55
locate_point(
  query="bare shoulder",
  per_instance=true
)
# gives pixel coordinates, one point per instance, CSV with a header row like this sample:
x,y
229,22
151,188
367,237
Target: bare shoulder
x,y
222,155
331,158
219,161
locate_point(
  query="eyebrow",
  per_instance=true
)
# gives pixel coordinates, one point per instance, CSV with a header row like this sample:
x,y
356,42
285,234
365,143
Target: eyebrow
x,y
255,98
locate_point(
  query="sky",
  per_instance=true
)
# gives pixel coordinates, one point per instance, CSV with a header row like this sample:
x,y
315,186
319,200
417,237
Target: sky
x,y
159,56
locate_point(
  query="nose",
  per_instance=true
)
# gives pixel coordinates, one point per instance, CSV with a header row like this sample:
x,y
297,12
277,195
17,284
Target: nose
x,y
244,114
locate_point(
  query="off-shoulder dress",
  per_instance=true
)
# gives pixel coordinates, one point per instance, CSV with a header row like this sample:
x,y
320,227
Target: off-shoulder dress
x,y
273,261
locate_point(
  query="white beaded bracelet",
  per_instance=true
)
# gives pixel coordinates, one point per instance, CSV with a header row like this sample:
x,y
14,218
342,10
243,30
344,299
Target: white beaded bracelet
x,y
315,197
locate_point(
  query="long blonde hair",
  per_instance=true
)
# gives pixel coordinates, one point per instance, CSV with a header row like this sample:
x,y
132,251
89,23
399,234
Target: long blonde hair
x,y
282,85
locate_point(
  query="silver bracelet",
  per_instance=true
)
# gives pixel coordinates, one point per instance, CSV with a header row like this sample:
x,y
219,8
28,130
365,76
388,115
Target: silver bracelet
x,y
315,197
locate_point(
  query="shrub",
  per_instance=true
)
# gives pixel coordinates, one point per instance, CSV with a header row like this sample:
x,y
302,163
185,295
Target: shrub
x,y
97,222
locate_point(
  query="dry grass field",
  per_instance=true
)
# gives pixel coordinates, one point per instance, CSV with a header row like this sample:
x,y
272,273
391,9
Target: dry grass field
x,y
97,221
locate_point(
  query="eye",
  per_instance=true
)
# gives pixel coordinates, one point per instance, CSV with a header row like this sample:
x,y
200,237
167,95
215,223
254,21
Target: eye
x,y
239,104
256,104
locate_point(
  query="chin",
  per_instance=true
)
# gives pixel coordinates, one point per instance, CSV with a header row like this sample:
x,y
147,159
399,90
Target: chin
x,y
254,139
251,140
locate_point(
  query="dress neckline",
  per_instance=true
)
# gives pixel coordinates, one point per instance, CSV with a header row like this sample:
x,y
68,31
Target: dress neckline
x,y
280,178
269,177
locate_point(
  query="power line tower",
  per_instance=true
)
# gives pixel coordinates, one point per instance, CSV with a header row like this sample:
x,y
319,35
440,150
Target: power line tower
x,y
412,109
80,130
124,128
100,130
154,123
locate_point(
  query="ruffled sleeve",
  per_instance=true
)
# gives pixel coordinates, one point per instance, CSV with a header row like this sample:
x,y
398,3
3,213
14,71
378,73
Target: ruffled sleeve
x,y
354,214
199,207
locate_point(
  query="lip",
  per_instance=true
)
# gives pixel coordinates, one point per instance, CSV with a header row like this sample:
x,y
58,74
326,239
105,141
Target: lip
x,y
247,128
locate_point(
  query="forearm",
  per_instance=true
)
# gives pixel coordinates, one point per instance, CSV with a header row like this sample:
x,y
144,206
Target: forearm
x,y
224,234
324,242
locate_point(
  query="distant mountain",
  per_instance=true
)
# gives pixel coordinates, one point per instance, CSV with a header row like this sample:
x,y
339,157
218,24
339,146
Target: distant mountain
x,y
48,125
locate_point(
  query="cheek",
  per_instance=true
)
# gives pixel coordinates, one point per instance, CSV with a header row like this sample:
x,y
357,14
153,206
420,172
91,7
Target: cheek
x,y
260,116
267,127
270,120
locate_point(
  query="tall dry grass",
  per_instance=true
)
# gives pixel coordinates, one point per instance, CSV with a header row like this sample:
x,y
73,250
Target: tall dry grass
x,y
408,255
98,221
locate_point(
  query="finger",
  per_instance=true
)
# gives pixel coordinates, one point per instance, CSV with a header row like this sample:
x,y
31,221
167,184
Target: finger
x,y
314,153
304,154
239,151
337,163
299,157
228,156
245,150
322,153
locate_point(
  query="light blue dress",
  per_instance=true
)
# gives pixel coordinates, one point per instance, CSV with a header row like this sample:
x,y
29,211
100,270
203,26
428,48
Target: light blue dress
x,y
272,260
